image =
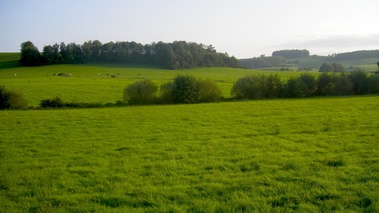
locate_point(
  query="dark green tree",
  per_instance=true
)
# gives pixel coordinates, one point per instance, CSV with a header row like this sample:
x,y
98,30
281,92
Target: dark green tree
x,y
165,55
359,79
294,88
310,81
342,85
30,55
338,67
325,84
325,67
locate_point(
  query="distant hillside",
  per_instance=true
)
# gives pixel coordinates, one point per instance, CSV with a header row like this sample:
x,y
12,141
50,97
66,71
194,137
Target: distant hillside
x,y
363,58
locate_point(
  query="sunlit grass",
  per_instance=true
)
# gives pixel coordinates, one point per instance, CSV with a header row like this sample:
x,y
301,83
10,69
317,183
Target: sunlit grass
x,y
306,155
93,83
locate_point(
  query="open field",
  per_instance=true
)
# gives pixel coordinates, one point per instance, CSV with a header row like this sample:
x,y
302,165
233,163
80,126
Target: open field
x,y
305,155
86,85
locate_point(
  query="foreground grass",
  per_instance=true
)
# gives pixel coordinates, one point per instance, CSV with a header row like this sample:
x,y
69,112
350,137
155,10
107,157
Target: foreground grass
x,y
308,155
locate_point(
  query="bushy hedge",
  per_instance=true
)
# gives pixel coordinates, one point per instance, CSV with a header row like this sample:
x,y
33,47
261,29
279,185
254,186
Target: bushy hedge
x,y
11,99
52,103
182,89
306,85
257,87
141,93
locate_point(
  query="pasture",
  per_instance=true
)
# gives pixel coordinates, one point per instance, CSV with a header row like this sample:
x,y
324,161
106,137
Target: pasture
x,y
86,85
304,155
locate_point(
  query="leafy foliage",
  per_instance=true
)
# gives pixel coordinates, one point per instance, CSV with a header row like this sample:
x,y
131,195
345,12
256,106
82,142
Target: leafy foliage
x,y
333,67
291,53
251,63
176,55
11,99
209,91
186,89
30,55
306,85
52,103
141,92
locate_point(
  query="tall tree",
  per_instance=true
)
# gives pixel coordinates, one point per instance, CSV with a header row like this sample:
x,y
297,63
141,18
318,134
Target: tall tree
x,y
30,55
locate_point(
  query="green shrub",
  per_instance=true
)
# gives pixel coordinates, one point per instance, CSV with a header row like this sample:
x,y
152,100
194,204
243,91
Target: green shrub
x,y
166,96
185,89
52,103
373,84
294,88
209,91
325,84
311,83
11,99
359,79
141,92
342,85
272,85
249,87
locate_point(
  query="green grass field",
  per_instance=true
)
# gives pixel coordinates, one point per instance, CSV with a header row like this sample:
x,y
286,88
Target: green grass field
x,y
298,155
303,155
86,85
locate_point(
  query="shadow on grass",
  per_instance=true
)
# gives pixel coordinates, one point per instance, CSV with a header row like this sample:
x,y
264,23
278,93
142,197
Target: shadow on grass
x,y
9,64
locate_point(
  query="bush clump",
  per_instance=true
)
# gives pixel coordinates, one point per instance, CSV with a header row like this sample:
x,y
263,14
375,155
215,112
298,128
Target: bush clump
x,y
52,103
188,89
11,99
257,87
141,93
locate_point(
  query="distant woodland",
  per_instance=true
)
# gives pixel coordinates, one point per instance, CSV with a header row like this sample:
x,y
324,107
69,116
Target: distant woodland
x,y
175,55
300,58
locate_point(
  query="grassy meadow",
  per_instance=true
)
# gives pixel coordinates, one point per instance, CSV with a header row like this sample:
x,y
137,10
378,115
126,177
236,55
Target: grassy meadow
x,y
305,155
287,155
86,85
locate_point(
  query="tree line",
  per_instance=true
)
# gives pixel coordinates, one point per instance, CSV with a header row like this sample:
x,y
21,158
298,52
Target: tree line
x,y
260,62
175,55
356,55
289,54
306,85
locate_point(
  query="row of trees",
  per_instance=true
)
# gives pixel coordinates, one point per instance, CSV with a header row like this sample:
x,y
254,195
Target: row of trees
x,y
187,89
306,85
175,55
274,61
289,54
356,55
333,67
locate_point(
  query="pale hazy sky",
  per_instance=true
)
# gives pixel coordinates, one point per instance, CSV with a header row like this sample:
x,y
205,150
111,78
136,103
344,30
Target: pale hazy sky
x,y
243,28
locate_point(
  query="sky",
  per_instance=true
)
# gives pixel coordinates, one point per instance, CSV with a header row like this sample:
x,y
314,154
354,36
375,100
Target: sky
x,y
242,28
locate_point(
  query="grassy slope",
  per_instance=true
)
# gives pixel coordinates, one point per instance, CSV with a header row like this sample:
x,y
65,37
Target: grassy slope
x,y
9,60
310,155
